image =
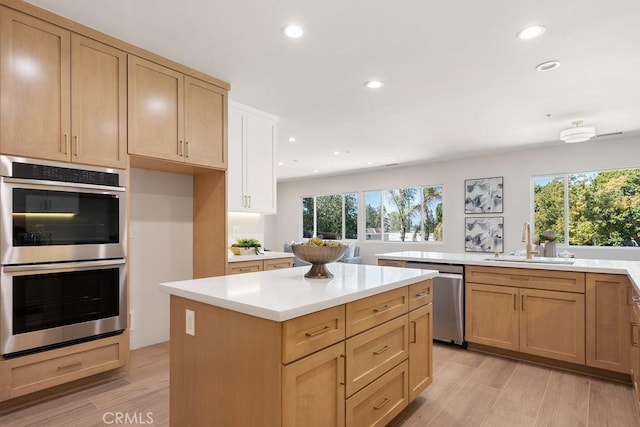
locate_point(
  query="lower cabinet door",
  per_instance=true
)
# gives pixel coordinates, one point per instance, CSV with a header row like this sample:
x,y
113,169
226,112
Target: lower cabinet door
x,y
313,391
492,315
420,350
379,402
552,324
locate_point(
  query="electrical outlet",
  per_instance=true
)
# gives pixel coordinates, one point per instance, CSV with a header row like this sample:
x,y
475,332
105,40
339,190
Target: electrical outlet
x,y
190,322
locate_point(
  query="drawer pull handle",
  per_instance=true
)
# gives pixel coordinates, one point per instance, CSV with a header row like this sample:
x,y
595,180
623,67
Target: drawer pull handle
x,y
69,366
318,332
382,350
423,293
381,404
380,309
635,298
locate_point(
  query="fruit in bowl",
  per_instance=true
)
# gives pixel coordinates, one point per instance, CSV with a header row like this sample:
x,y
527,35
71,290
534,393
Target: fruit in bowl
x,y
319,252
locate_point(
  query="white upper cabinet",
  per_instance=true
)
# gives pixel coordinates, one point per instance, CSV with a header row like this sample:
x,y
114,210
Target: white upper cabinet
x,y
252,156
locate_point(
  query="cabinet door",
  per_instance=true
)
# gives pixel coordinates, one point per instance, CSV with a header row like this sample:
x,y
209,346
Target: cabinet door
x,y
99,103
260,162
155,110
552,325
313,390
634,353
235,172
492,315
205,107
607,318
420,350
35,107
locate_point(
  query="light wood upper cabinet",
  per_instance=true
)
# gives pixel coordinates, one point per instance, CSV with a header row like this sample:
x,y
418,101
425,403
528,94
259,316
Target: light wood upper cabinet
x,y
175,117
98,103
63,95
608,342
252,173
35,107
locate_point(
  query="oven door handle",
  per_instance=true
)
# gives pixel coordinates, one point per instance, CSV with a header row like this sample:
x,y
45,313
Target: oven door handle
x,y
63,265
48,185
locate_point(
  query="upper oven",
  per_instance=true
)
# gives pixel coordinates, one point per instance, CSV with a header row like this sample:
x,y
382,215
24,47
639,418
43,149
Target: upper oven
x,y
52,212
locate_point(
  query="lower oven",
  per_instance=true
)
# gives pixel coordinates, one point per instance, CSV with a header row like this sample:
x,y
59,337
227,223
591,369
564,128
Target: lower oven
x,y
48,305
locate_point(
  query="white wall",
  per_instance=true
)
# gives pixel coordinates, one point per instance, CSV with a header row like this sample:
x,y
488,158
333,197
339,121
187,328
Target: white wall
x,y
245,225
516,168
160,248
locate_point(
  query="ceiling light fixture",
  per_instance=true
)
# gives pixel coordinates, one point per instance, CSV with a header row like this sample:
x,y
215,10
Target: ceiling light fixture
x,y
374,84
531,32
548,66
292,139
293,31
577,133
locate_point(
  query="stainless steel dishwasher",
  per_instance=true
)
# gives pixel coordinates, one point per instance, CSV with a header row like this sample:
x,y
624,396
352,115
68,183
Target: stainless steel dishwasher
x,y
448,301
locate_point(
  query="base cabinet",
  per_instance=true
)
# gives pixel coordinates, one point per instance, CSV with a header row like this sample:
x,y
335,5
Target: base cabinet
x,y
634,344
258,265
544,323
607,306
420,349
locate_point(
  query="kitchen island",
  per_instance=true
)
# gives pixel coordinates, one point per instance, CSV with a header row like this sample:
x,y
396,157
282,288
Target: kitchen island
x,y
273,348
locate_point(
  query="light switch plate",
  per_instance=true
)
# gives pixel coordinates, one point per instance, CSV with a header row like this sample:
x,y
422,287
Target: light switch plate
x,y
190,322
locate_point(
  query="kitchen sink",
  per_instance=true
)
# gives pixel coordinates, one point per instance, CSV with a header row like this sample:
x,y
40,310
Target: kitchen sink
x,y
533,260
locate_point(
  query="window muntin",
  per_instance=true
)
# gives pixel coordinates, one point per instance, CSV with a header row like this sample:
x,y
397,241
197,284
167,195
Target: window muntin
x,y
599,208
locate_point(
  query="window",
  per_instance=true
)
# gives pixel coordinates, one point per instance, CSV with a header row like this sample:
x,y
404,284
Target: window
x,y
333,216
589,208
404,214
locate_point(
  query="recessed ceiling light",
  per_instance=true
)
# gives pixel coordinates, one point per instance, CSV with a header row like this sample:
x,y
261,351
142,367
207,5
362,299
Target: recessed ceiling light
x,y
280,163
336,153
292,139
374,84
315,171
548,66
531,32
293,31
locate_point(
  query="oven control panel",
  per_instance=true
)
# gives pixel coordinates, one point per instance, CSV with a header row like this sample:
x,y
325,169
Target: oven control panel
x,y
57,173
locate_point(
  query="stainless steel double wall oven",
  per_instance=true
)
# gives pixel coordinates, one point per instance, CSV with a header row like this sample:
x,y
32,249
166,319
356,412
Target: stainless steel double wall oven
x,y
63,254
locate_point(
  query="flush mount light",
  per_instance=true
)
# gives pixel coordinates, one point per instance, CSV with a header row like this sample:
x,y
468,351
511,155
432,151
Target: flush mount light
x,y
548,66
293,31
531,32
577,133
374,84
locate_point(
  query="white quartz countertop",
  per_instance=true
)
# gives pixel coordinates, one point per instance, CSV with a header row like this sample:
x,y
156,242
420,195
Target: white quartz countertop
x,y
285,293
630,268
263,255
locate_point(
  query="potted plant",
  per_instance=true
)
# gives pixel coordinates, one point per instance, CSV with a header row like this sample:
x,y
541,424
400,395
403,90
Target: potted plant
x,y
246,247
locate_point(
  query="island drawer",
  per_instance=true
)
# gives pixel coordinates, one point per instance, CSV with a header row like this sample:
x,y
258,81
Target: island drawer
x,y
374,310
420,294
274,264
551,280
312,332
379,402
372,353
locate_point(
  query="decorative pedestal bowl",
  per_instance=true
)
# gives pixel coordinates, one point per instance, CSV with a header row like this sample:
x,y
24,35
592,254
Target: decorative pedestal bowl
x,y
318,256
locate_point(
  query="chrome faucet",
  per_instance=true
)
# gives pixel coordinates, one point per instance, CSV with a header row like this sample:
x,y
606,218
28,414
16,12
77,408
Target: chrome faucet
x,y
526,237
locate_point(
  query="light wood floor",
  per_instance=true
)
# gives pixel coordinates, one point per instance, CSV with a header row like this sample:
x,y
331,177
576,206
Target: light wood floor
x,y
469,389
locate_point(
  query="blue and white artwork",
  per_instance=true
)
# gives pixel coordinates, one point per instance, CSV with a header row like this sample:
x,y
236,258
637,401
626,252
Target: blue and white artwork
x,y
483,195
484,234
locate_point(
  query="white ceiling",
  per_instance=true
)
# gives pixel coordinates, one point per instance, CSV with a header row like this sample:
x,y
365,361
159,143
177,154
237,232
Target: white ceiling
x,y
457,80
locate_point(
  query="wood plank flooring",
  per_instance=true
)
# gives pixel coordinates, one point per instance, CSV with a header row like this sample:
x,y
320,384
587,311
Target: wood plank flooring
x,y
469,389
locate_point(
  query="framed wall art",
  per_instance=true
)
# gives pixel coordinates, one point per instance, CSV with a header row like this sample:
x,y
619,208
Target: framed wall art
x,y
483,195
484,234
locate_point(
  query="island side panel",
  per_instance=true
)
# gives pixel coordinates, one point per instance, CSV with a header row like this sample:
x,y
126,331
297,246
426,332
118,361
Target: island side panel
x,y
229,372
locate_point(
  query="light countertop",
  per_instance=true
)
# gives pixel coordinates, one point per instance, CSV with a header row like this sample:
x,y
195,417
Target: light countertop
x,y
262,256
285,293
630,268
